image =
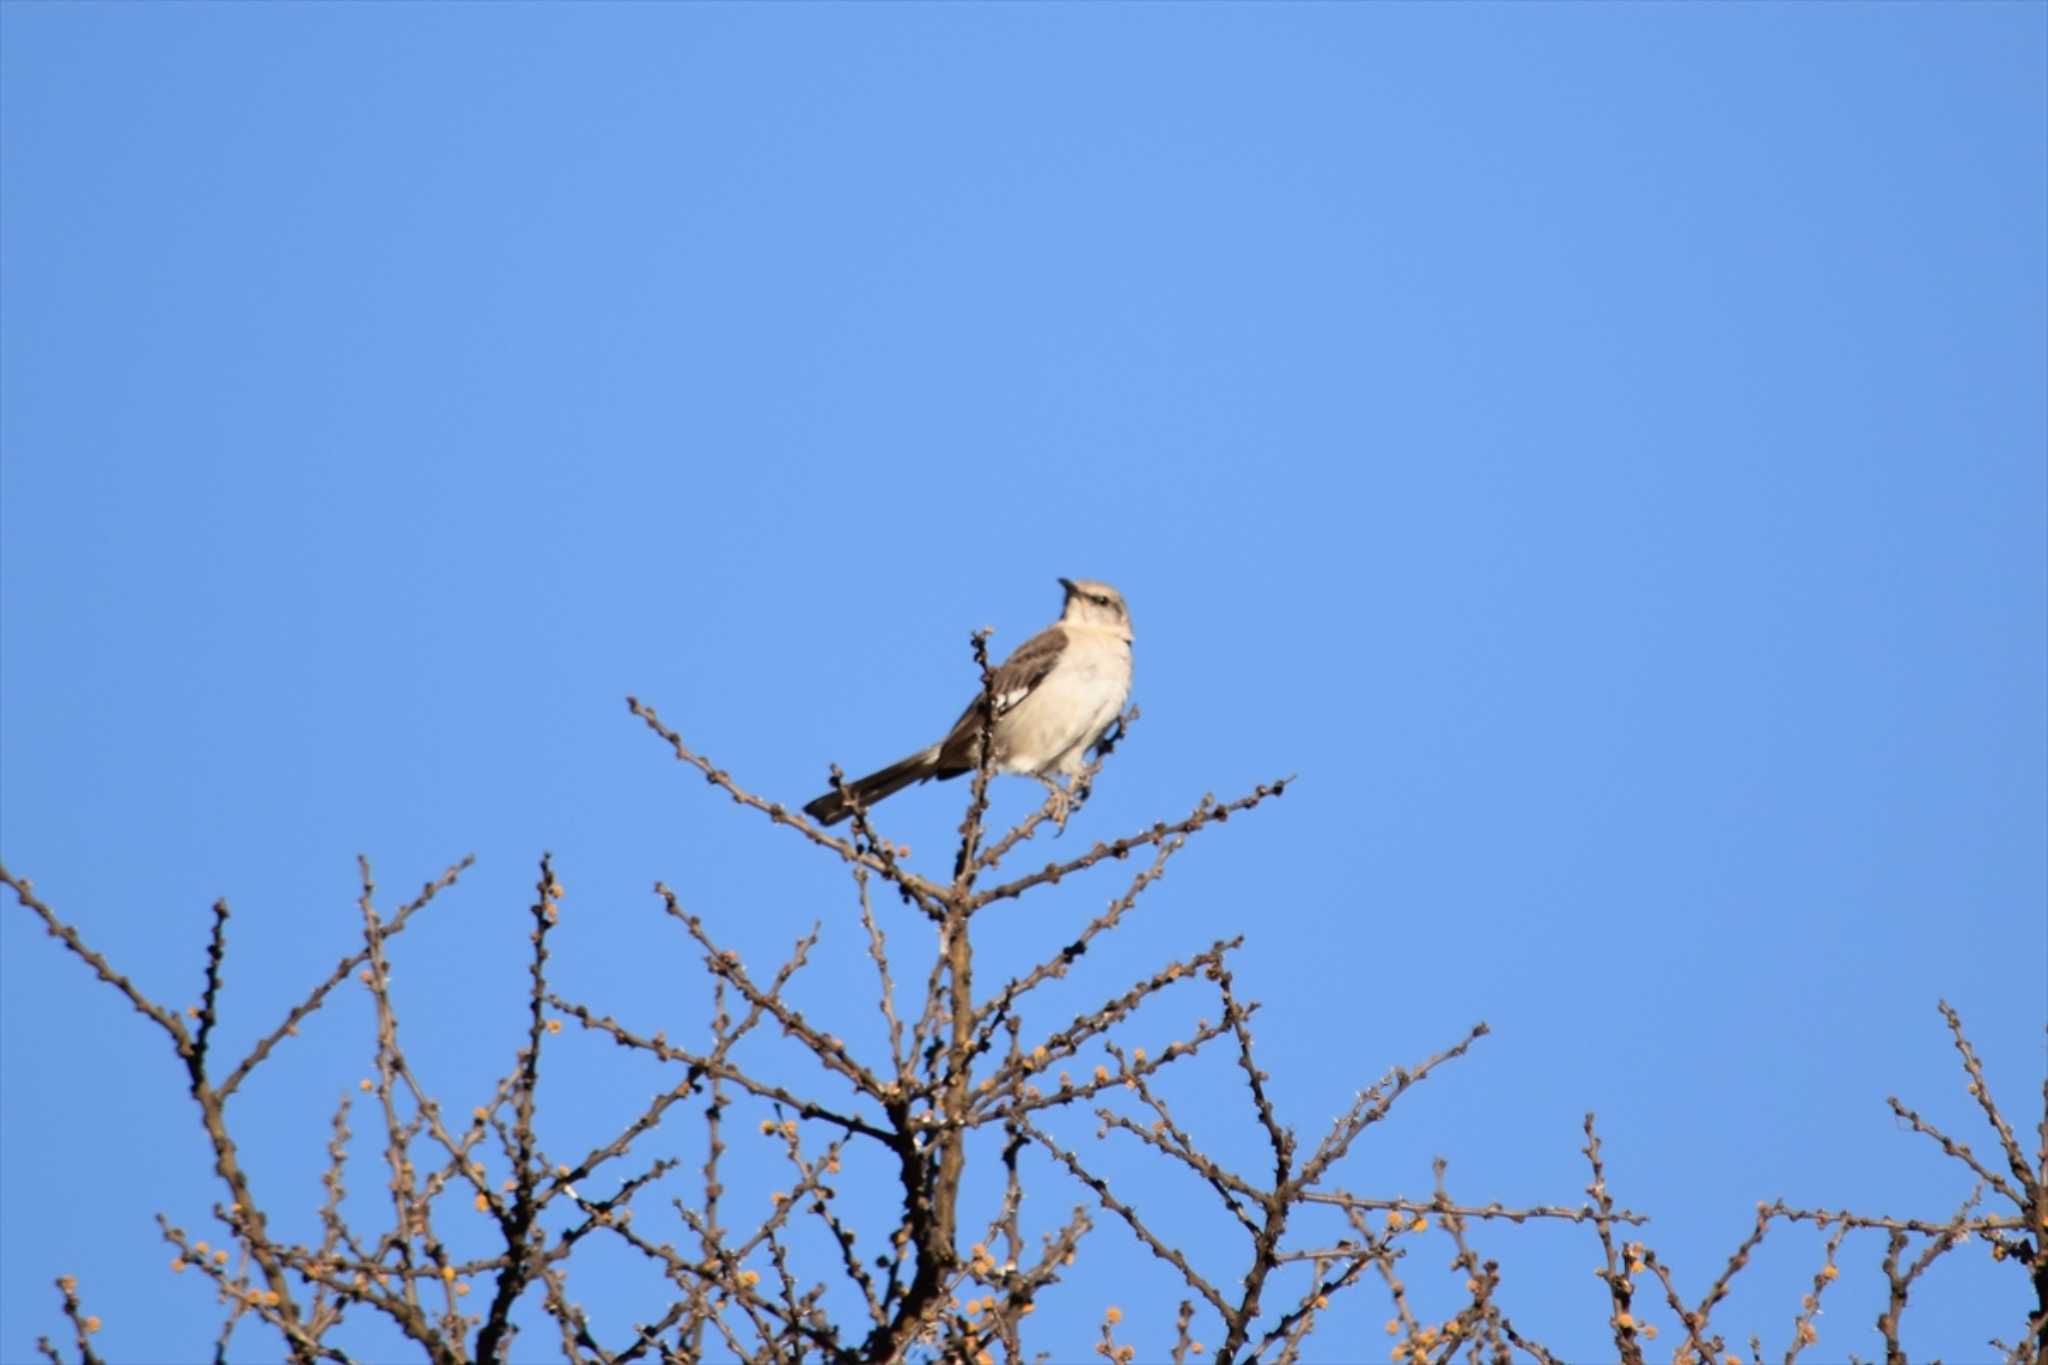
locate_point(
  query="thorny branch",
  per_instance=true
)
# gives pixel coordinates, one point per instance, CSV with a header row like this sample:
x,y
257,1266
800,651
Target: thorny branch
x,y
810,1279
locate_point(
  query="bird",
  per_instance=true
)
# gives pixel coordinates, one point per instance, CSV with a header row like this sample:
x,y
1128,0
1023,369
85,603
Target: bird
x,y
1055,697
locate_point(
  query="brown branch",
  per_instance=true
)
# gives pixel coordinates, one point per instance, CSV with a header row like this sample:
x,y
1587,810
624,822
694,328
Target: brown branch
x,y
342,971
931,1179
408,1209
210,1100
1056,966
493,1338
878,950
1986,1224
1067,1041
1109,1200
1980,1090
83,1325
24,891
1174,1142
1295,1325
1584,1213
1373,1104
1804,1333
707,1065
1899,1284
216,950
829,1051
1959,1150
1695,1320
1207,813
919,889
964,863
1617,1273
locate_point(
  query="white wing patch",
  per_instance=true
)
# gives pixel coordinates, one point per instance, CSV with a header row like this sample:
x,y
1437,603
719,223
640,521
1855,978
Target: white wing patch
x,y
1006,700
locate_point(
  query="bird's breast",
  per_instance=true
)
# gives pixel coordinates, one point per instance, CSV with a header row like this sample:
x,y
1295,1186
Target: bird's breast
x,y
1070,709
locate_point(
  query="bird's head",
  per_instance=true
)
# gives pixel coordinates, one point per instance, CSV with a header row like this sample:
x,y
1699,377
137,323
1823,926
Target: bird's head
x,y
1090,603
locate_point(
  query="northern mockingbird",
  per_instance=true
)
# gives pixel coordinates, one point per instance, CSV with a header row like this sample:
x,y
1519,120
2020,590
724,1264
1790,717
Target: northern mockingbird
x,y
1054,698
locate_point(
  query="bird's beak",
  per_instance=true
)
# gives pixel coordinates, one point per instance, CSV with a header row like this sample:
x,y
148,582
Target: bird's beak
x,y
1067,583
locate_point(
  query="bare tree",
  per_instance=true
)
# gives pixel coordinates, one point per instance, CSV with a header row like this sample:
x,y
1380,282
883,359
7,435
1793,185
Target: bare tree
x,y
950,1108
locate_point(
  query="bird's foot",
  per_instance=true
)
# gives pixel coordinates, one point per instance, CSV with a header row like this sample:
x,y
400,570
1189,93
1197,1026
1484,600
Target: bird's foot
x,y
1063,800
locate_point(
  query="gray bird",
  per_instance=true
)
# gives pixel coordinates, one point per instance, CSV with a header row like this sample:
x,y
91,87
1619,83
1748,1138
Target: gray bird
x,y
1054,698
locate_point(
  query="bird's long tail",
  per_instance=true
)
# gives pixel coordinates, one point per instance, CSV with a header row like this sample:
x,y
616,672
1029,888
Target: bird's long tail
x,y
832,807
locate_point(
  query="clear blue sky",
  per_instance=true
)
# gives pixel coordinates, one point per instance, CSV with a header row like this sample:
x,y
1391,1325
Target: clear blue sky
x,y
1600,449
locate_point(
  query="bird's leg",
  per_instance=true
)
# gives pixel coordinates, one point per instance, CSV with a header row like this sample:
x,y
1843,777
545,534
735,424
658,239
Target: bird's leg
x,y
1064,798
1059,799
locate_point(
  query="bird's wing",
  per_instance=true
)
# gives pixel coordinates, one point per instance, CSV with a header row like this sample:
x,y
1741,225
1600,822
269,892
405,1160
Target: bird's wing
x,y
1016,677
